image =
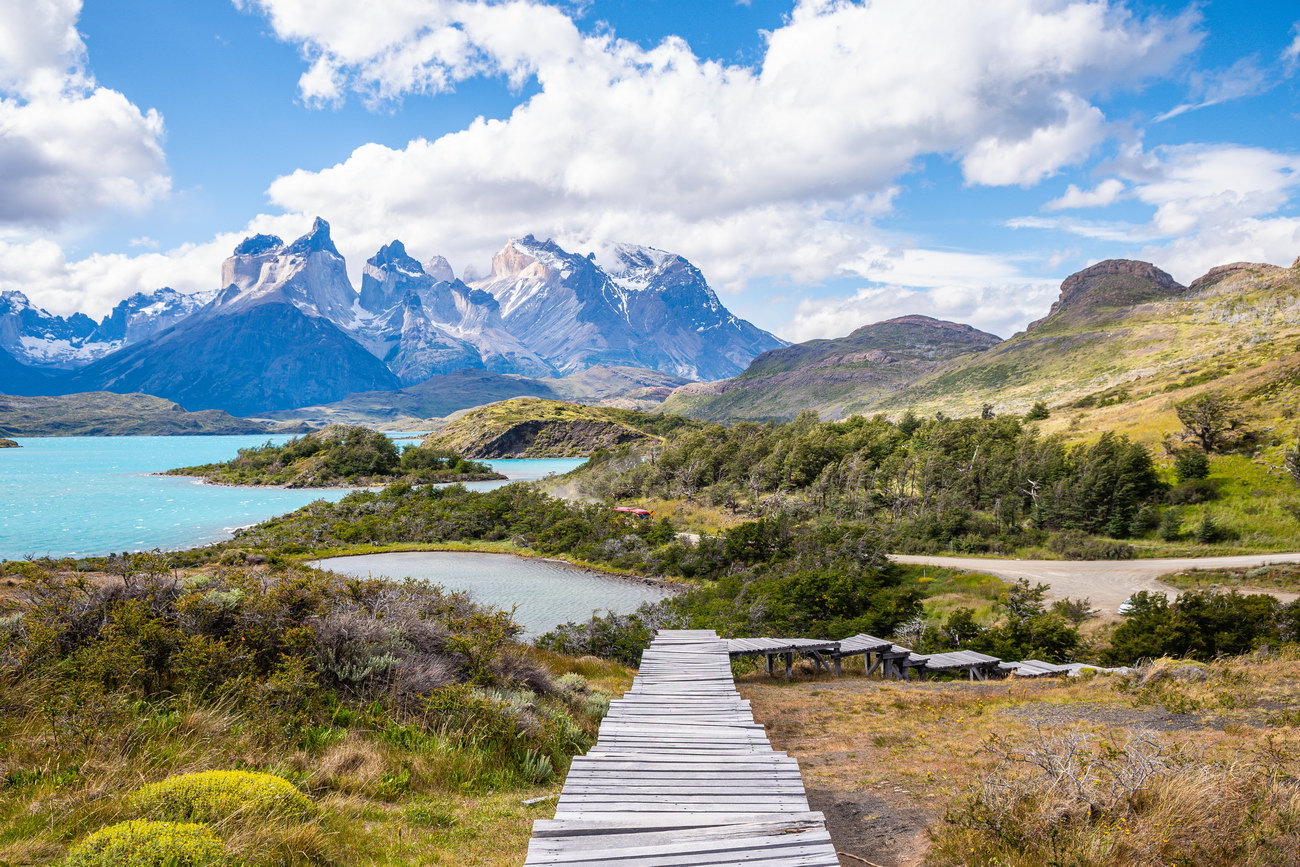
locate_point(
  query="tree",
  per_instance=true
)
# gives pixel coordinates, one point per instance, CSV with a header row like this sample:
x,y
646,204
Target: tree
x,y
1291,462
1211,420
1038,412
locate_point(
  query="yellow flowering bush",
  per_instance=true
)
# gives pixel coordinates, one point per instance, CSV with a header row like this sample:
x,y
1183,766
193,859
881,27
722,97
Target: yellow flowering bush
x,y
144,843
211,796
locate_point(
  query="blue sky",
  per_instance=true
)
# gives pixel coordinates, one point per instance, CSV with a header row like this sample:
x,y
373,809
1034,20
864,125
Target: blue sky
x,y
826,163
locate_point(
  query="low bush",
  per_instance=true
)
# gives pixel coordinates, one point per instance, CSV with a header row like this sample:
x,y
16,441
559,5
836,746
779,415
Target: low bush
x,y
213,796
145,843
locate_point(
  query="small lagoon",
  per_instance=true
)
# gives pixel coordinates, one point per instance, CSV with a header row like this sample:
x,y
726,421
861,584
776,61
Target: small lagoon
x,y
89,496
544,593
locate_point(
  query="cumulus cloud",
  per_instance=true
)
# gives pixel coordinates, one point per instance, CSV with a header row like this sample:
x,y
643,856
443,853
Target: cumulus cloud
x,y
985,291
1210,204
1105,193
771,170
50,108
93,285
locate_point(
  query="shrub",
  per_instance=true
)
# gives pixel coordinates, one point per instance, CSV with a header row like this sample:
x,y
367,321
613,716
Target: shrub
x,y
142,843
1191,463
1191,492
211,796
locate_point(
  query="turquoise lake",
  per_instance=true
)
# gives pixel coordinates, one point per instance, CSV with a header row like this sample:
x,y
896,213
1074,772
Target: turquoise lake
x,y
87,496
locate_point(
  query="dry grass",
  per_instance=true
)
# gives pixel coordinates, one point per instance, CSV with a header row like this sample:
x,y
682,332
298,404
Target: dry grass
x,y
923,761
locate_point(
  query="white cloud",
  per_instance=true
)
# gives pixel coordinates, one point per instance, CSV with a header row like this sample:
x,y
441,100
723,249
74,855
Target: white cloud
x,y
1211,204
774,170
1244,78
984,291
50,108
1105,193
93,285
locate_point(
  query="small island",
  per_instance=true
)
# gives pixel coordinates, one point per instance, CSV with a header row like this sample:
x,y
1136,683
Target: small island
x,y
341,456
8,444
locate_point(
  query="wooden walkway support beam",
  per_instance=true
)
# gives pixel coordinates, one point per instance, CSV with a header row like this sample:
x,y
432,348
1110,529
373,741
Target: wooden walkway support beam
x,y
682,776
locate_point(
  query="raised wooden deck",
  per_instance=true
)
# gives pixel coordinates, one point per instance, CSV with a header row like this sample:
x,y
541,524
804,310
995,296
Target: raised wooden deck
x,y
682,776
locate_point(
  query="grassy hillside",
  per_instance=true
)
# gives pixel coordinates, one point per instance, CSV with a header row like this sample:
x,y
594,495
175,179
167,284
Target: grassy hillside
x,y
1120,347
534,428
834,378
1237,329
102,413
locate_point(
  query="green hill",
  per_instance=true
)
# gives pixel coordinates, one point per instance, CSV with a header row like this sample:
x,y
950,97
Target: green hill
x,y
102,413
835,378
340,456
535,428
1123,343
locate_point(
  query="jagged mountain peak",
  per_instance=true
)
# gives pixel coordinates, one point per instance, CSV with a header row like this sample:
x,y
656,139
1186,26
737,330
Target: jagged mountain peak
x,y
316,241
394,255
259,245
527,258
440,270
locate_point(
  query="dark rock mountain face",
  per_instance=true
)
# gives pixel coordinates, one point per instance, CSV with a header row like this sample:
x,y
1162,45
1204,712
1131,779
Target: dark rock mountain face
x,y
269,356
19,378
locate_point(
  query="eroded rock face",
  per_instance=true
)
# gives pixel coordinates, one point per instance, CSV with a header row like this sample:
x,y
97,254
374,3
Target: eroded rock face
x,y
1112,283
1214,275
309,274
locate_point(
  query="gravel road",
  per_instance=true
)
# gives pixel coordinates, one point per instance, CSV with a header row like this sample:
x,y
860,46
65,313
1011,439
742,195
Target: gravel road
x,y
1106,582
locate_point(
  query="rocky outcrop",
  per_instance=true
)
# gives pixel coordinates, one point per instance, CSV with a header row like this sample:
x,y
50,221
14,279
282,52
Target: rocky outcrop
x,y
309,274
533,428
1114,283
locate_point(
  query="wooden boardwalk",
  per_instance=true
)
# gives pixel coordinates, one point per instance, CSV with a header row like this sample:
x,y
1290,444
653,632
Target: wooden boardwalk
x,y
682,776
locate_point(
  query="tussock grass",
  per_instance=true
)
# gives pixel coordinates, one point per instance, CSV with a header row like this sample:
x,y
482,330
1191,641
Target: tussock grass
x,y
1178,763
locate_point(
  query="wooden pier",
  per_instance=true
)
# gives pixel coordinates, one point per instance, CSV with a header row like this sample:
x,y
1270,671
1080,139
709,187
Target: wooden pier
x,y
682,776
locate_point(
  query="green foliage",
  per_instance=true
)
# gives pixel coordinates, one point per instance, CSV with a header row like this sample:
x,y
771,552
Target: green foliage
x,y
1201,624
142,843
1190,463
969,485
340,455
1038,412
1212,420
211,796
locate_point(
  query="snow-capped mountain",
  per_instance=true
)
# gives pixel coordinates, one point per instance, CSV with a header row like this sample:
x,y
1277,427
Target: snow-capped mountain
x,y
288,329
649,309
41,339
423,324
310,274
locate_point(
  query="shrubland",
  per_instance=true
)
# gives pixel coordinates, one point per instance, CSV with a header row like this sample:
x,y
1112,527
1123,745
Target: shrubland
x,y
991,484
291,715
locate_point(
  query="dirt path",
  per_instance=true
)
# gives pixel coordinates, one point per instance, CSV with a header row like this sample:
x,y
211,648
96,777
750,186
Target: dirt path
x,y
1106,582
